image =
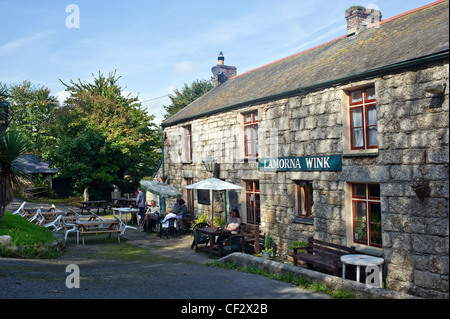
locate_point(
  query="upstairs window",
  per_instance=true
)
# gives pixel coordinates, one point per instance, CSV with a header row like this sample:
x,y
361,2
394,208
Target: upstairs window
x,y
187,143
363,119
251,134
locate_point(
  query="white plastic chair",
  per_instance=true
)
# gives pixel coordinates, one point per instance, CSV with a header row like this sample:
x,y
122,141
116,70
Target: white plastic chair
x,y
20,211
97,216
56,224
75,213
69,228
37,218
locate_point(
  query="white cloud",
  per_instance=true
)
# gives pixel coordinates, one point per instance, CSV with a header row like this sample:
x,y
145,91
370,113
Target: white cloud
x,y
13,46
62,96
185,68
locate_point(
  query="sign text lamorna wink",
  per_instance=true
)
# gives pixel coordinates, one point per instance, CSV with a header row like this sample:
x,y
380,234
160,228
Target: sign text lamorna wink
x,y
305,163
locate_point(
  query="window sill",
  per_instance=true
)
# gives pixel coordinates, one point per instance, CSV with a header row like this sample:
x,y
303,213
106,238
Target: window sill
x,y
360,154
303,220
186,162
368,250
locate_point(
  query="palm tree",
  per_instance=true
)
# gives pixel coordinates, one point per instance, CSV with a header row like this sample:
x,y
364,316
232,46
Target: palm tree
x,y
12,144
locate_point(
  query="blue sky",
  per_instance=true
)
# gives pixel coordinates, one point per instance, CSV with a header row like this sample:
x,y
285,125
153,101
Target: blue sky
x,y
158,45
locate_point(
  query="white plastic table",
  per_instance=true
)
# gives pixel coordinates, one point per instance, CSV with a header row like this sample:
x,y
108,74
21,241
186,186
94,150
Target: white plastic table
x,y
124,226
362,260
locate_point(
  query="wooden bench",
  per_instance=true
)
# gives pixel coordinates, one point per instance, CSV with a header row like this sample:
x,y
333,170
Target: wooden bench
x,y
187,222
322,254
252,237
31,192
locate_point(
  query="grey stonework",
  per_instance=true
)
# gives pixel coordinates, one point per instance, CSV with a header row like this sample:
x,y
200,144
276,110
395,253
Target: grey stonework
x,y
413,138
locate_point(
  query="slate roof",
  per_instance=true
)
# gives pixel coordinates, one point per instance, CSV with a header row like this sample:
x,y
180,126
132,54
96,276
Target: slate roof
x,y
419,33
29,163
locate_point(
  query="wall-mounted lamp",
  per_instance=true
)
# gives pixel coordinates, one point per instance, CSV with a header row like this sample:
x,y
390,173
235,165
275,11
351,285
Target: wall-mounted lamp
x,y
210,163
437,93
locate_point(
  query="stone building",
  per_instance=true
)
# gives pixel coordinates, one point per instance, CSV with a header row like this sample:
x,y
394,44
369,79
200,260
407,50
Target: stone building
x,y
335,142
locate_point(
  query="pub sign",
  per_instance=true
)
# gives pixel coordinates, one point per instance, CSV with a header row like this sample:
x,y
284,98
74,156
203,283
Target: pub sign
x,y
304,163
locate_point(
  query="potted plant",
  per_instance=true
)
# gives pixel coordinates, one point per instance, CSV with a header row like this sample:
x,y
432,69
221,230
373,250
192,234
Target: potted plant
x,y
268,246
219,223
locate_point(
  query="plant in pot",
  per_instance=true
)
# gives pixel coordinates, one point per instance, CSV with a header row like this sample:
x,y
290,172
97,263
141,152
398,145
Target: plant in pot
x,y
268,246
219,223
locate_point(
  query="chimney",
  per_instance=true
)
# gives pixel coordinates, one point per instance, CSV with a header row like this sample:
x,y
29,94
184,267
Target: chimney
x,y
222,72
359,18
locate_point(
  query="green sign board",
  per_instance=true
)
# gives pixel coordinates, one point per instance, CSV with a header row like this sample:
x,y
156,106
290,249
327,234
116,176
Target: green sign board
x,y
304,163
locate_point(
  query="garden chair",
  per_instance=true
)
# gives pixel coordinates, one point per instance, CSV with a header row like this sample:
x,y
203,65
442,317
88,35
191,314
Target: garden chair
x,y
37,218
74,212
230,245
202,238
69,228
20,211
172,228
96,216
57,224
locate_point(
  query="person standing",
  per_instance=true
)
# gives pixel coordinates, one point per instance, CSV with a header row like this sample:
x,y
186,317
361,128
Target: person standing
x,y
140,203
181,213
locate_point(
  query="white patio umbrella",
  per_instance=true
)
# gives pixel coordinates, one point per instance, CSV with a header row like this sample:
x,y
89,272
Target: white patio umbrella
x,y
214,184
161,189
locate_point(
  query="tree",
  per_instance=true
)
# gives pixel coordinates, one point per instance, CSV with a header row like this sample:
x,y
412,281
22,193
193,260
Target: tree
x,y
103,137
12,144
31,109
187,95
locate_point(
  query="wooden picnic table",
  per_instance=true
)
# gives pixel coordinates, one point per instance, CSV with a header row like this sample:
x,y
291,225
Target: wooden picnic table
x,y
94,204
124,202
97,227
212,233
74,218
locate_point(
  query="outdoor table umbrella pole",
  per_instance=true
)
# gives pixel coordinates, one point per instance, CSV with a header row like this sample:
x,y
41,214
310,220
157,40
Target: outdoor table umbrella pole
x,y
212,210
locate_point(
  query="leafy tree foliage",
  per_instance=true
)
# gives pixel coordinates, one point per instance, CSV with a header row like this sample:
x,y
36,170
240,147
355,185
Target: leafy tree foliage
x,y
103,137
187,95
31,108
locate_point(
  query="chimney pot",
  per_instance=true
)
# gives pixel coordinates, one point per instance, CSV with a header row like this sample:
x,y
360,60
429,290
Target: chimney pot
x,y
222,72
220,59
359,18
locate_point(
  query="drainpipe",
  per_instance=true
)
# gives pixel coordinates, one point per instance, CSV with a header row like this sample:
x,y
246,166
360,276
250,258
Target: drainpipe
x,y
162,199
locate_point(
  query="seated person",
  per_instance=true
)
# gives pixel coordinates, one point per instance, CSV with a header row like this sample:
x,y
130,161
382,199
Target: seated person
x,y
165,223
233,224
150,223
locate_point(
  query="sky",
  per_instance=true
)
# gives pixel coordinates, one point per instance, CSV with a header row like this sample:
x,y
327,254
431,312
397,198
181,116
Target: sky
x,y
157,46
